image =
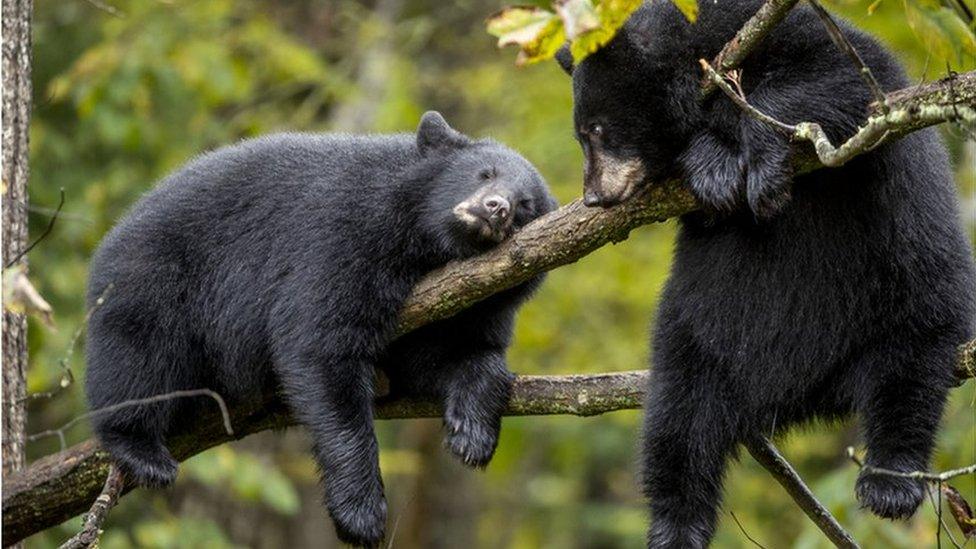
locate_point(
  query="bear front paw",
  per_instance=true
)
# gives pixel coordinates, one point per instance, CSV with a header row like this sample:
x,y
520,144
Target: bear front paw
x,y
473,442
152,467
888,496
360,522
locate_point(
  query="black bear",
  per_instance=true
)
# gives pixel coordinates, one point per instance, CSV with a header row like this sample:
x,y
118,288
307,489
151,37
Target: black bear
x,y
286,259
843,291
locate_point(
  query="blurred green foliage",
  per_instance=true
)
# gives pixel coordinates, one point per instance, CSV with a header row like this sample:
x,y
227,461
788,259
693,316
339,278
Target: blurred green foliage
x,y
120,101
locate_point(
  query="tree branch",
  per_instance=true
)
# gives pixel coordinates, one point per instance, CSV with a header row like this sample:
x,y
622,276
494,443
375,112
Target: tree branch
x,y
769,457
949,100
749,36
60,486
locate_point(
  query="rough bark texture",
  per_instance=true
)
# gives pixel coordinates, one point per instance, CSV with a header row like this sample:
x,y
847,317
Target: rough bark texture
x,y
60,486
16,124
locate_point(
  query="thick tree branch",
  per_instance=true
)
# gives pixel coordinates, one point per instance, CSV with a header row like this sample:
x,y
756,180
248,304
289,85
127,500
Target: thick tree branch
x,y
60,486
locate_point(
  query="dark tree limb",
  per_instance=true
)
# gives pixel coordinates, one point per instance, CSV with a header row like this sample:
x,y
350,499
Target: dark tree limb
x,y
60,486
769,457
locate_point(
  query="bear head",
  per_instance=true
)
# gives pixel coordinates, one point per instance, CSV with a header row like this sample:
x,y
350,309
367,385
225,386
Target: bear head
x,y
480,192
634,103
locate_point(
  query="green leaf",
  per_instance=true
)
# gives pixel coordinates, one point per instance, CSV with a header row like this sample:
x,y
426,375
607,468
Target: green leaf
x,y
689,8
519,25
578,16
940,30
538,32
613,14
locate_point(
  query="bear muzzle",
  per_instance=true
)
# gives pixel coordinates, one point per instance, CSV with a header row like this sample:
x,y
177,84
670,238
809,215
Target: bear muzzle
x,y
488,214
609,180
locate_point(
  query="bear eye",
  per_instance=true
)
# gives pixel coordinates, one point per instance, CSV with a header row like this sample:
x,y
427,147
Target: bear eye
x,y
486,174
595,129
526,203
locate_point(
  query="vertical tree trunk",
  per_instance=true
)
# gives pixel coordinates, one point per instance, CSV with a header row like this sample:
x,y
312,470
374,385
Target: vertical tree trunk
x,y
16,124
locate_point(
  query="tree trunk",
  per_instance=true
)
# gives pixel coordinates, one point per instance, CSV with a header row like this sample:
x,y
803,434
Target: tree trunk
x,y
16,126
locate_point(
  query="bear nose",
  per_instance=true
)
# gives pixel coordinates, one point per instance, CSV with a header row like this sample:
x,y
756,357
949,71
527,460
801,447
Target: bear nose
x,y
497,205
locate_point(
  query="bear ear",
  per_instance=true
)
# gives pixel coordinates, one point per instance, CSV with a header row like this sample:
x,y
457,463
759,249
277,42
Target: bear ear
x,y
565,59
434,133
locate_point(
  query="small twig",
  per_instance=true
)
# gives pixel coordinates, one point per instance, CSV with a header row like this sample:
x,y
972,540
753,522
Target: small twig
x,y
744,533
91,528
67,376
753,32
918,475
768,456
938,532
878,127
46,232
740,100
845,45
941,522
59,432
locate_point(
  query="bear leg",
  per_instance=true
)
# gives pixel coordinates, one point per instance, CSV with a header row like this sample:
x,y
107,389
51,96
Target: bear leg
x,y
476,394
900,416
332,396
688,438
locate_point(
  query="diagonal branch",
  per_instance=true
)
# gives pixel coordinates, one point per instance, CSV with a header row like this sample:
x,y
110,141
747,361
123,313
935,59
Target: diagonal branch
x,y
763,451
749,36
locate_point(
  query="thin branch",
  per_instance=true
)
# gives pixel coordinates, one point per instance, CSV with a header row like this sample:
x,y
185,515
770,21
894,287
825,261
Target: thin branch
x,y
92,526
111,10
59,432
941,522
918,475
744,533
845,45
749,36
47,231
763,451
67,376
897,121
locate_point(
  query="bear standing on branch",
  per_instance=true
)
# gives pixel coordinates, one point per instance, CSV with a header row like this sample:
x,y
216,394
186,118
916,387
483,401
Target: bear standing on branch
x,y
792,297
286,260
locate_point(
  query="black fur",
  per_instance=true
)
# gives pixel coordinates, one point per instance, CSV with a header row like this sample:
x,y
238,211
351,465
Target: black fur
x,y
844,291
286,259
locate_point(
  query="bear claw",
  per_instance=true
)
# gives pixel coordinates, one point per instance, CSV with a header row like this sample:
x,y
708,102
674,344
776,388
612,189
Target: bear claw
x,y
889,497
362,524
470,441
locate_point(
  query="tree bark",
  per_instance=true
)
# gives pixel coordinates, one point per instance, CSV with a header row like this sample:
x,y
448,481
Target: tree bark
x,y
16,127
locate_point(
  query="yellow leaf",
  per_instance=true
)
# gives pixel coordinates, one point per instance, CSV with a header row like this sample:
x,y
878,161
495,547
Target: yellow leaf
x,y
578,16
689,8
519,25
